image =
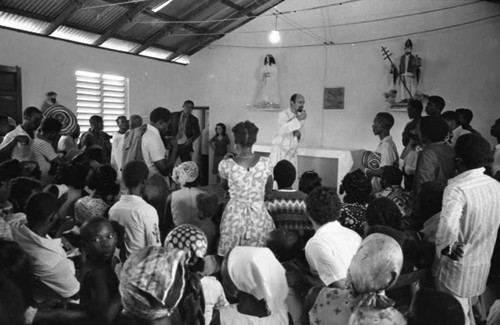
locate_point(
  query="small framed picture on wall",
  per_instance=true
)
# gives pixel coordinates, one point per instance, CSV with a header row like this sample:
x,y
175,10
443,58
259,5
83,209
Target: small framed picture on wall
x,y
333,98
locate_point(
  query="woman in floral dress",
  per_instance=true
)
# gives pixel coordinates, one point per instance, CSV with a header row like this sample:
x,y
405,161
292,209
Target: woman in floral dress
x,y
246,221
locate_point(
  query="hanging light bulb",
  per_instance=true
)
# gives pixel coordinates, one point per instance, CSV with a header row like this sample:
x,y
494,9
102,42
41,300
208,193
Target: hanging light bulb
x,y
274,35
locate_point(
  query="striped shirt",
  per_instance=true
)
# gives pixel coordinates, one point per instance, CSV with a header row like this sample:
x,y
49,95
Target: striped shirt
x,y
44,153
471,215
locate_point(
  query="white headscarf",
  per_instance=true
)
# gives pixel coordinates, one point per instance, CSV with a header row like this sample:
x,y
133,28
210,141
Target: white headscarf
x,y
185,173
256,271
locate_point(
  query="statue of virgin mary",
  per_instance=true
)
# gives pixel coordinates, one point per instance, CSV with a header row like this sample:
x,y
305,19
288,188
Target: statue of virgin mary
x,y
269,95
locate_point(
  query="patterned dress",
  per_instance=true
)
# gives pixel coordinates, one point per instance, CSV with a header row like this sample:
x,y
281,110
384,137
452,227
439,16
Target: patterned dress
x,y
246,221
353,216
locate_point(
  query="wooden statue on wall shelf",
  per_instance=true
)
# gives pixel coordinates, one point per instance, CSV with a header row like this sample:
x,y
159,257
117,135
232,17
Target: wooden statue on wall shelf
x,y
269,93
407,73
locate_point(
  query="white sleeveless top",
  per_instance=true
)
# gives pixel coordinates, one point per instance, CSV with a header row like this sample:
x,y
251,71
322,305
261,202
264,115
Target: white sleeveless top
x,y
229,315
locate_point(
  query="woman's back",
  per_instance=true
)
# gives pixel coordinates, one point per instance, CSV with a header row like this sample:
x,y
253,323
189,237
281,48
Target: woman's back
x,y
231,315
184,208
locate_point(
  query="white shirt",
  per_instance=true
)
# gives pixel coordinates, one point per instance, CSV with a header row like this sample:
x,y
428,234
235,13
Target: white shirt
x,y
152,148
49,261
21,152
117,151
471,215
284,143
329,252
388,157
139,220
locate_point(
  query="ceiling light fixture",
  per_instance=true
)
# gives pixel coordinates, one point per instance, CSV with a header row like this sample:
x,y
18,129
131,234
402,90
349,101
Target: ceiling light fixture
x,y
274,35
161,6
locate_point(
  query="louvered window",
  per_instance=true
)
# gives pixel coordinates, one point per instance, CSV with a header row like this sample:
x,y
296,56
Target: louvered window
x,y
100,94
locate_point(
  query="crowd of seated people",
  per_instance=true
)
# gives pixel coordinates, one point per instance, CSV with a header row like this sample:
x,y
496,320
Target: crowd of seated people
x,y
101,232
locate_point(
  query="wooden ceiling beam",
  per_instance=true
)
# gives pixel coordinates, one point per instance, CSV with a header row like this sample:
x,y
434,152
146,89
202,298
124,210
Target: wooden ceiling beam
x,y
169,28
68,10
220,28
122,21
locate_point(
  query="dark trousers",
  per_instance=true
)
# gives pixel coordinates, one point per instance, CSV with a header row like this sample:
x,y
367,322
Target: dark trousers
x,y
184,152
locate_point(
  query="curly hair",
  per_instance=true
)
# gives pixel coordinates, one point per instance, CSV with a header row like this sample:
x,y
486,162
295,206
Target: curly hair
x,y
308,181
384,212
357,187
208,205
474,150
72,174
20,190
323,205
284,174
433,128
245,133
103,180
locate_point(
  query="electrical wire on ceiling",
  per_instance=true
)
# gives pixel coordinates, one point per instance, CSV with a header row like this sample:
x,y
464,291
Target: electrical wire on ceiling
x,y
368,40
302,28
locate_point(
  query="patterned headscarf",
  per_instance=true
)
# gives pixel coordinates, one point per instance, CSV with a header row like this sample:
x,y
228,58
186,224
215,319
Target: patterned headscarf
x,y
189,238
150,286
373,269
185,173
256,271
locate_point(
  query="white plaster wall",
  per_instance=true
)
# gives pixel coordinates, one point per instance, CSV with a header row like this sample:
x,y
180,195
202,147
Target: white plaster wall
x,y
49,64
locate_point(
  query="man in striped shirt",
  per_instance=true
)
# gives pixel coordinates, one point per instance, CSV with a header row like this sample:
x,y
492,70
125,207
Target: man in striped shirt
x,y
468,226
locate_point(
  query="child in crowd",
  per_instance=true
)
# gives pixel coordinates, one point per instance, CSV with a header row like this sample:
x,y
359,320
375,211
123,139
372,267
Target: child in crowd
x,y
387,150
391,184
20,190
384,212
308,181
44,152
208,207
50,264
102,182
137,218
411,141
219,144
357,188
73,175
287,206
99,294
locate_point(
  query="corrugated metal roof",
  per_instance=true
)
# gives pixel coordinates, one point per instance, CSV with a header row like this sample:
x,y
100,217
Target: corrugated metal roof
x,y
99,18
142,27
46,8
75,35
22,23
119,45
156,53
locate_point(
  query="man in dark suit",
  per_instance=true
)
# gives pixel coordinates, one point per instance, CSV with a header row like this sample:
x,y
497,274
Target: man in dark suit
x,y
186,129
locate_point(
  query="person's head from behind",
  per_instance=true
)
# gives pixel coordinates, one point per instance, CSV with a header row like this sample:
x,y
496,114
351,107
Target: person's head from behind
x,y
285,244
122,123
430,199
308,181
52,97
32,117
102,180
207,204
256,273
464,116
192,240
73,175
135,174
51,128
186,174
284,174
188,106
356,186
135,121
451,118
160,119
152,285
382,123
15,265
471,152
99,239
495,129
391,176
323,206
245,135
432,307
21,188
4,125
384,212
433,129
41,211
220,129
96,123
414,109
435,105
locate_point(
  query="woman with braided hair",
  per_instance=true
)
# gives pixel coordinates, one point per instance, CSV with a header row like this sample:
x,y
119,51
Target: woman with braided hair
x,y
357,188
